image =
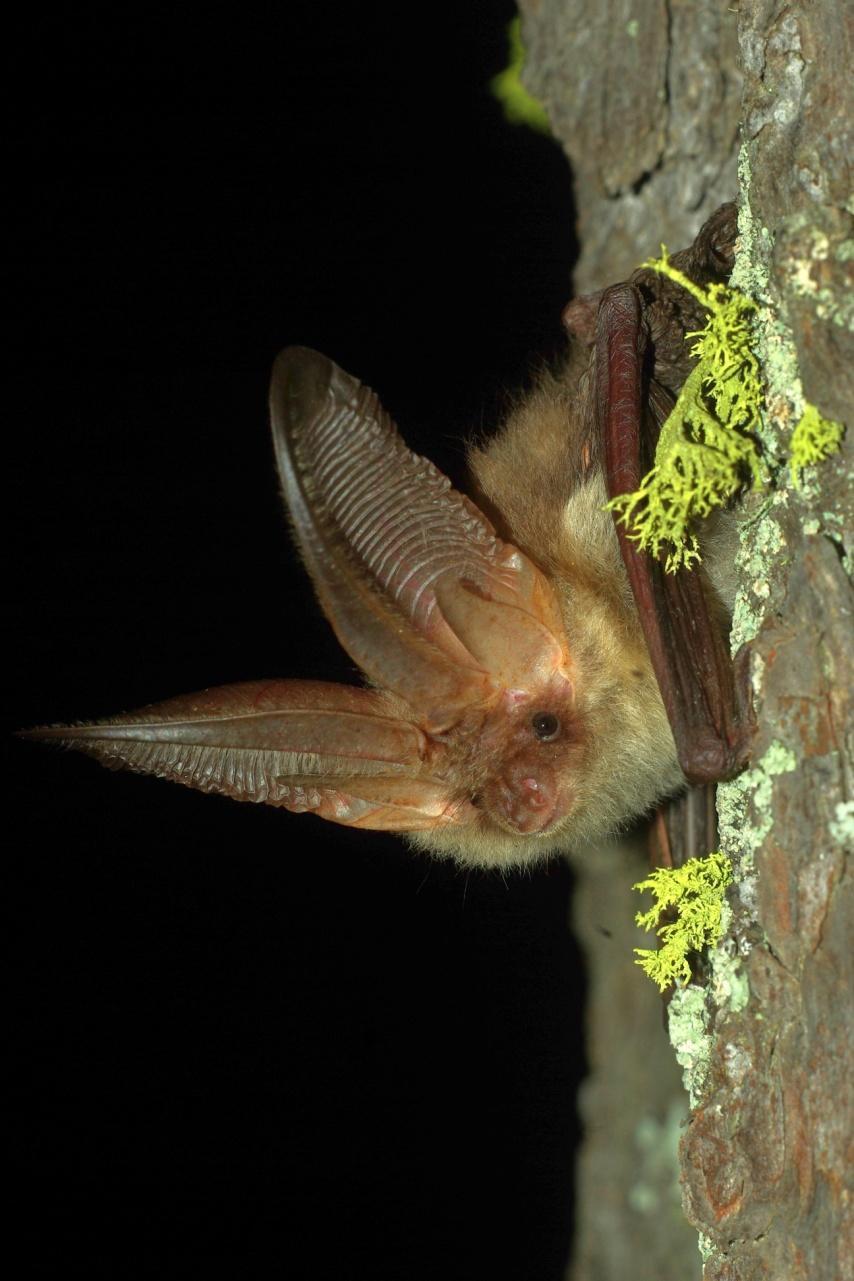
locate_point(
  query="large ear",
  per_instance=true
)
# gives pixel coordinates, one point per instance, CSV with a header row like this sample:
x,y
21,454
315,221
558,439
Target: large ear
x,y
337,751
420,591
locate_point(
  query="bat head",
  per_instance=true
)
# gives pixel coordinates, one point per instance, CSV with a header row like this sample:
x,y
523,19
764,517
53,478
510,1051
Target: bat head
x,y
469,734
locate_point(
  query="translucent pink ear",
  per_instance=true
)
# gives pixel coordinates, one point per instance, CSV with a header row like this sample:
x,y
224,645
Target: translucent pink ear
x,y
438,612
336,751
420,591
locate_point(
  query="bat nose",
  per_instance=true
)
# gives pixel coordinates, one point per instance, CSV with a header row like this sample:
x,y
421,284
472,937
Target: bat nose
x,y
533,793
526,800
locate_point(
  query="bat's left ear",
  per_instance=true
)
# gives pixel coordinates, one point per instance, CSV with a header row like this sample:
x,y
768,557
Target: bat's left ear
x,y
336,751
420,591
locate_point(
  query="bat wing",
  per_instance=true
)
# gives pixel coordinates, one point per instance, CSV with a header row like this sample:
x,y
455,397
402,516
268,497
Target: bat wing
x,y
420,591
336,751
705,703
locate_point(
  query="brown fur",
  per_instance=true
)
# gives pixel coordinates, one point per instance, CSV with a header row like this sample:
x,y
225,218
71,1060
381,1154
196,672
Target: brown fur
x,y
530,478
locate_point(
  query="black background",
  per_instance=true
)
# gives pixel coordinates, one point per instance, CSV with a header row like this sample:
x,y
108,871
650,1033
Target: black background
x,y
251,1040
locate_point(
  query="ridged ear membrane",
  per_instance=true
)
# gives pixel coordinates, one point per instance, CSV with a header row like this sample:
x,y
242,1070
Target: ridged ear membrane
x,y
420,591
336,751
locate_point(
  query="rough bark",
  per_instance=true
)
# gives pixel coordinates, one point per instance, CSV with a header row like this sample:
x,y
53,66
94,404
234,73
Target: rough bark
x,y
645,99
765,1174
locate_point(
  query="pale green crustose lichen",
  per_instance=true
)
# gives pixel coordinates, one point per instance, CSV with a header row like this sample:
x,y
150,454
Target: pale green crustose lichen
x,y
687,1018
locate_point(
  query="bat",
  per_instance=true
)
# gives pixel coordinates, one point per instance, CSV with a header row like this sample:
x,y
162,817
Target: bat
x,y
532,681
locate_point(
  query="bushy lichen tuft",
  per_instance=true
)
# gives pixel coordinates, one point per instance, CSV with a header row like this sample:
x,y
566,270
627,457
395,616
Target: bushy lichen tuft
x,y
520,107
696,892
706,451
814,439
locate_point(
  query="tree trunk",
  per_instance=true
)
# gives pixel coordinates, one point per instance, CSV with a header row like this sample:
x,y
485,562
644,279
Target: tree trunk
x,y
647,98
644,97
763,1160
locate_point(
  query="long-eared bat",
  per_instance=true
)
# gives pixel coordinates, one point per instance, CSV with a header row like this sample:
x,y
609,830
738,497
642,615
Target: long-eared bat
x,y
532,681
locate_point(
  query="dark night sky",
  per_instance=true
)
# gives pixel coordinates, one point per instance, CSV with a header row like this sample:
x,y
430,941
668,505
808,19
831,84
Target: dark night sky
x,y
248,1037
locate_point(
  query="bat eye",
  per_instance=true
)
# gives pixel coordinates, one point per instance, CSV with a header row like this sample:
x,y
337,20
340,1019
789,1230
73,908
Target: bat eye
x,y
545,725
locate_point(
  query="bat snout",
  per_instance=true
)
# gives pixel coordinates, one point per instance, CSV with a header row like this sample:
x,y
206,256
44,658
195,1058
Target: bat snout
x,y
526,799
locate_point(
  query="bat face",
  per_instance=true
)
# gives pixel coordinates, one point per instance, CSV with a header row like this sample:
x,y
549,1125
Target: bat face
x,y
520,689
477,734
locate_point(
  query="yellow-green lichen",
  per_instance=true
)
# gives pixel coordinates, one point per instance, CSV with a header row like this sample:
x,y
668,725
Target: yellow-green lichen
x,y
696,892
520,108
814,439
707,448
726,414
